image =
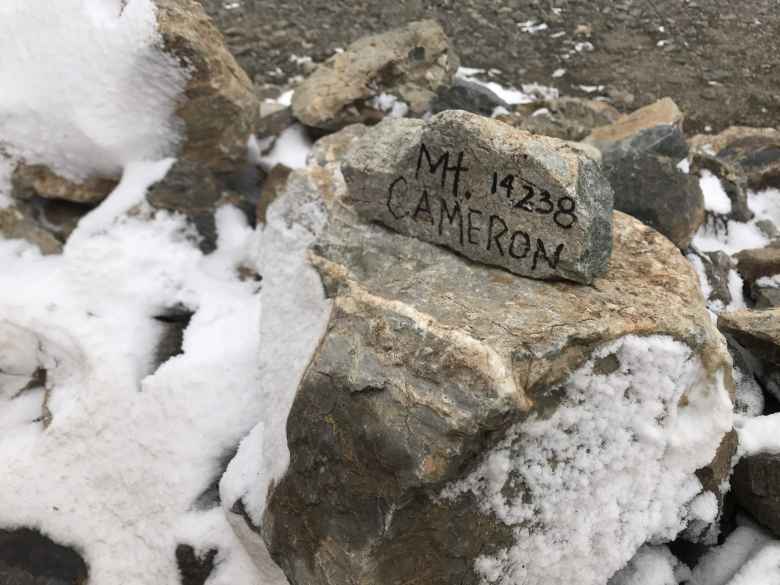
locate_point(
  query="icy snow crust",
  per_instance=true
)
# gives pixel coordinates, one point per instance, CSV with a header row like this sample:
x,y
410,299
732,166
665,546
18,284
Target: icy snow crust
x,y
85,88
610,469
129,448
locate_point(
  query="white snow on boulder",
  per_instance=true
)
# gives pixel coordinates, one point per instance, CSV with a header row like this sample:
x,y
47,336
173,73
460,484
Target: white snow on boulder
x,y
85,86
612,468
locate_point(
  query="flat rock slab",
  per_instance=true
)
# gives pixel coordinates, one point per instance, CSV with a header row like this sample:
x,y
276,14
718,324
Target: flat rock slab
x,y
533,205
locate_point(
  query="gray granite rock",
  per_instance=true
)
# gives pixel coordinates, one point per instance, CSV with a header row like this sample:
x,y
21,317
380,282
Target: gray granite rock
x,y
533,205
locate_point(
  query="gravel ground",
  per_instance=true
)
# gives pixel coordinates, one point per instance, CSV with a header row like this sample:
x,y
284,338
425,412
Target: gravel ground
x,y
718,59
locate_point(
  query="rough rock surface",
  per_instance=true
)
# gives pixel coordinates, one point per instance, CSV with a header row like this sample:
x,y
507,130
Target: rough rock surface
x,y
219,108
411,62
755,263
31,180
567,118
654,128
640,153
16,225
756,151
757,333
533,205
29,558
652,189
756,484
427,360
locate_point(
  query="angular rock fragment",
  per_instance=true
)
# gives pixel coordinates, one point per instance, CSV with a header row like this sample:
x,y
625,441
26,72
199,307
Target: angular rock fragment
x,y
758,333
756,263
756,485
410,63
31,180
533,205
640,153
219,108
655,128
429,401
469,96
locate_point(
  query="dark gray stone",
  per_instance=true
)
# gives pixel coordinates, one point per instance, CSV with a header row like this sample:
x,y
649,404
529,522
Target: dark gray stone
x,y
29,558
533,205
756,484
467,95
651,188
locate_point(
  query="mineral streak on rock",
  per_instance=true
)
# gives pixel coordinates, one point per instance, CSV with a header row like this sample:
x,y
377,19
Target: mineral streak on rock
x,y
533,205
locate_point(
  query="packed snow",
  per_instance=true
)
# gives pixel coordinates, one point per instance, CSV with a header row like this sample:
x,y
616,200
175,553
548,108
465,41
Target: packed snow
x,y
625,452
98,92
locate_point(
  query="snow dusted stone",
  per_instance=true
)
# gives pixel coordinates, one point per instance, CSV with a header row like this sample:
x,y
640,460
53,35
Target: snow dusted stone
x,y
453,415
410,63
29,180
533,205
756,151
219,107
467,95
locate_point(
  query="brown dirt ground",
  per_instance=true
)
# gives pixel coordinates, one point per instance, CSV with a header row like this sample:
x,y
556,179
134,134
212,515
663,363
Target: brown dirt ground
x,y
718,59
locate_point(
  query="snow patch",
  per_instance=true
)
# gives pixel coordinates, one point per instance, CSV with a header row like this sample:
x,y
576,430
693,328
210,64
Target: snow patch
x,y
291,148
625,453
129,446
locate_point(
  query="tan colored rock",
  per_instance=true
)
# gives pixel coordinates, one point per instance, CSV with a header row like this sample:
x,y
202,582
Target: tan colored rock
x,y
410,62
219,107
714,143
39,180
756,263
14,225
664,112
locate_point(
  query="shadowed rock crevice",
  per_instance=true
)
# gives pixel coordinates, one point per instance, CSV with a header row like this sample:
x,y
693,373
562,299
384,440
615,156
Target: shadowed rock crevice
x,y
27,557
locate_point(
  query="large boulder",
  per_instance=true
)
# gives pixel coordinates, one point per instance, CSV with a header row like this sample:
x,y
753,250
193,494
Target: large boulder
x,y
531,204
411,63
640,153
453,415
219,107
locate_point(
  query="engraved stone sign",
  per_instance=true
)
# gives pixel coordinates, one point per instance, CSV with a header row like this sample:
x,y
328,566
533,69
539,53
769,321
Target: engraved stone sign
x,y
534,205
